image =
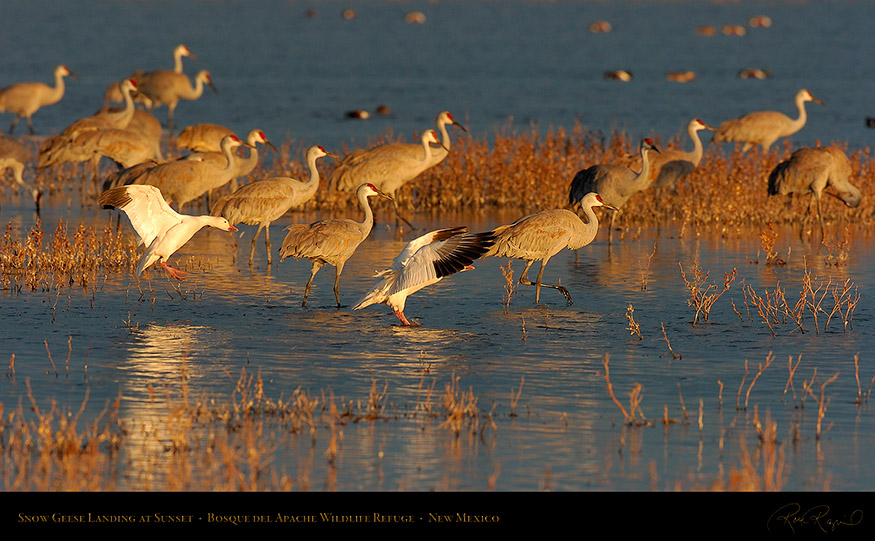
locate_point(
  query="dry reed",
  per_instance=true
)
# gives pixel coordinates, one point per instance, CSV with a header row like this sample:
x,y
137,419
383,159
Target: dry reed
x,y
702,294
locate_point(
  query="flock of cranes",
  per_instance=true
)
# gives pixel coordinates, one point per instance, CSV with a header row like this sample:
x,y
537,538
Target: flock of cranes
x,y
146,185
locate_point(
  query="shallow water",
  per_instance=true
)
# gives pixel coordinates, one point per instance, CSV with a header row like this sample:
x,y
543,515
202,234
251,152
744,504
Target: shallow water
x,y
234,318
294,76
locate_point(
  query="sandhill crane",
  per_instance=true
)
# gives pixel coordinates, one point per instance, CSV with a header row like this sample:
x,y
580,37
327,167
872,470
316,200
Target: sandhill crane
x,y
811,170
538,237
670,165
15,156
764,127
423,262
244,166
265,201
157,227
614,183
24,99
413,151
142,122
112,94
170,87
65,146
331,241
388,169
185,180
124,147
202,137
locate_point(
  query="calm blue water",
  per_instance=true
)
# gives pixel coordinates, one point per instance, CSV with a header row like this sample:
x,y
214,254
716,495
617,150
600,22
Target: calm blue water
x,y
487,62
295,76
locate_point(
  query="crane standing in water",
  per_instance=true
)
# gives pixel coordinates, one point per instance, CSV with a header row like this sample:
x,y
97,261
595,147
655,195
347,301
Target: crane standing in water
x,y
25,99
764,127
387,168
670,165
172,87
331,241
538,237
182,181
812,170
614,183
14,155
265,201
112,93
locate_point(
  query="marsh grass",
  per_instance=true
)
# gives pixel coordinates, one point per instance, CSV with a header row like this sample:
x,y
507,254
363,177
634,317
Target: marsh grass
x,y
64,260
530,168
634,328
819,300
702,294
195,442
241,442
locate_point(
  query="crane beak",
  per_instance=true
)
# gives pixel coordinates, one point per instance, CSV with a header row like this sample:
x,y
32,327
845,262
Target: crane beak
x,y
609,206
212,86
817,101
232,228
269,144
384,195
330,155
460,126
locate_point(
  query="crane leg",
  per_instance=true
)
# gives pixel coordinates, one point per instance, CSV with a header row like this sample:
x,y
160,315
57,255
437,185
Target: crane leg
x,y
398,216
337,283
820,217
14,123
267,243
611,227
170,109
254,242
539,283
30,126
316,266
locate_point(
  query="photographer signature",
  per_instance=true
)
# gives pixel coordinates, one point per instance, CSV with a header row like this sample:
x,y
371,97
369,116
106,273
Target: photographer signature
x,y
792,516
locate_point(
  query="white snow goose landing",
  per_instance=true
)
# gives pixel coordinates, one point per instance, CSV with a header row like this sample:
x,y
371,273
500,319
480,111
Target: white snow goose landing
x,y
159,228
423,262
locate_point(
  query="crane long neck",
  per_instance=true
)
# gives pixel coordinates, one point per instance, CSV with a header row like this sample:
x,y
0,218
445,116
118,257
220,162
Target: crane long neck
x,y
177,61
195,92
698,149
427,148
368,223
584,233
58,91
228,151
801,119
445,136
313,182
643,178
122,118
247,164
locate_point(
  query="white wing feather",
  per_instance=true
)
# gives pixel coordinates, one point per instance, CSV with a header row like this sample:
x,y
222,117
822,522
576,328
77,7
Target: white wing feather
x,y
148,213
